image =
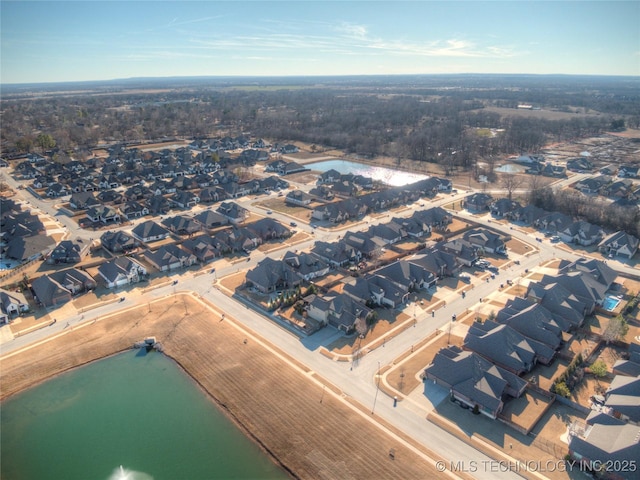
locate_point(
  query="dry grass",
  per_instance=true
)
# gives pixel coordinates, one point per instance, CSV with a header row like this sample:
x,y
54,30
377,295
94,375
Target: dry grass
x,y
309,437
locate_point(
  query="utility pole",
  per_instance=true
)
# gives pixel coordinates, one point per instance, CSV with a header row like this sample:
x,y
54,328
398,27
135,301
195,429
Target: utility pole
x,y
377,389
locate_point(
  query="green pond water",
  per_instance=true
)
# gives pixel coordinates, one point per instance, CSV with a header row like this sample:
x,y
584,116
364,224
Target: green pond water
x,y
137,411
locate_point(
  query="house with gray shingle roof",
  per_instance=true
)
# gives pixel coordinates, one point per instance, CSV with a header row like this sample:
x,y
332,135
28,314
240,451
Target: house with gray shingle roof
x,y
504,346
69,251
340,311
210,219
478,202
270,275
203,247
169,257
75,280
623,398
103,214
581,233
619,243
473,380
629,366
605,439
121,271
233,212
118,242
408,273
149,231
182,225
83,200
465,252
556,298
487,240
27,248
48,292
11,305
337,254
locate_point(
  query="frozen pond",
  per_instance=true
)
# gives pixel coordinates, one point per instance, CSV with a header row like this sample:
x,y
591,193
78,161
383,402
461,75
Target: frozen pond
x,y
394,178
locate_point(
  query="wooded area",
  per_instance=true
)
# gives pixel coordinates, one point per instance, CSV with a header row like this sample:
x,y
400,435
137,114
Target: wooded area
x,y
449,120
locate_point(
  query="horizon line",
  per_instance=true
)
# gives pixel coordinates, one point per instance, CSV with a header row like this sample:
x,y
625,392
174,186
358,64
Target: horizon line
x,y
260,76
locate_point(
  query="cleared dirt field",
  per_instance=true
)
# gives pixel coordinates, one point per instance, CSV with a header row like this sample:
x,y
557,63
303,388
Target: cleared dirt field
x,y
311,432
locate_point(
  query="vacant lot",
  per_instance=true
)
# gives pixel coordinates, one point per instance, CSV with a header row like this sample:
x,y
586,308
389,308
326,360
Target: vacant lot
x,y
312,433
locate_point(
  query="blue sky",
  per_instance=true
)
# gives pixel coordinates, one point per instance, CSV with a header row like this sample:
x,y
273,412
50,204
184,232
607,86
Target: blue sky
x,y
50,41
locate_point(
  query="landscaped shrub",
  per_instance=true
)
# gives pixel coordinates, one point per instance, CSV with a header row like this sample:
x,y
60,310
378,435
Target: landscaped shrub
x,y
561,389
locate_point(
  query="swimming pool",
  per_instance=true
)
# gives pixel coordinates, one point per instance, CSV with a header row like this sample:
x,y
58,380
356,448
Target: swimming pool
x,y
610,303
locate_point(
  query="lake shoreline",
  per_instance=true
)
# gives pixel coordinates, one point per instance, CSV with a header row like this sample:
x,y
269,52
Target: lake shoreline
x,y
260,388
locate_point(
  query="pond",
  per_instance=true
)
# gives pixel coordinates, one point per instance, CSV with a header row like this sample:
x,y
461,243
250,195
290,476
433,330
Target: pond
x,y
389,176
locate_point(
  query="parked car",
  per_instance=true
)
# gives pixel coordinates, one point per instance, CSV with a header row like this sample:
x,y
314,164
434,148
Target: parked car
x,y
293,224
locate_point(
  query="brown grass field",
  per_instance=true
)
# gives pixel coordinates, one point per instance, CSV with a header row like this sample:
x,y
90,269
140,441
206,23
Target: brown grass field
x,y
312,432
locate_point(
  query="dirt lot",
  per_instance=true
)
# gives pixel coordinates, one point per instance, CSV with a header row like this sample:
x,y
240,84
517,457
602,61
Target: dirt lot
x,y
311,433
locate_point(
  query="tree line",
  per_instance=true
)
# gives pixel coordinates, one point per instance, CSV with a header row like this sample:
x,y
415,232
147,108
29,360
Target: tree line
x,y
444,120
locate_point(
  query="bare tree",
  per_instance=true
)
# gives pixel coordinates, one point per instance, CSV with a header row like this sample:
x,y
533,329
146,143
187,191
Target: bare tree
x,y
511,182
616,330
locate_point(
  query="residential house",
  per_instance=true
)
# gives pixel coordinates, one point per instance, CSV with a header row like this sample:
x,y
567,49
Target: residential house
x,y
212,194
149,231
182,225
12,304
340,311
185,200
409,274
629,365
298,197
551,170
118,242
203,247
438,262
121,271
306,265
605,440
110,196
465,252
131,210
500,208
233,212
623,398
553,222
507,348
363,243
485,239
581,233
103,214
628,171
210,219
378,290
270,275
478,202
619,243
329,176
157,205
48,292
74,280
69,251
580,165
56,190
337,254
592,185
83,200
474,381
268,229
169,257
27,248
